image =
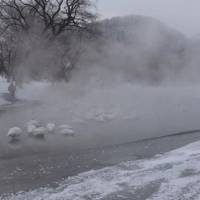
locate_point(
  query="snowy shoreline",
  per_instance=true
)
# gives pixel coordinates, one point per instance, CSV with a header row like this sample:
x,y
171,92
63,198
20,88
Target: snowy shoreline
x,y
52,168
150,179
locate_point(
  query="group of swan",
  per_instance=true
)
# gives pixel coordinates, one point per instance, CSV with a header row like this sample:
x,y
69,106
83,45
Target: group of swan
x,y
35,129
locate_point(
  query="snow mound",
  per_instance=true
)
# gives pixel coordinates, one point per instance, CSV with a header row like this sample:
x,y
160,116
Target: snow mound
x,y
174,175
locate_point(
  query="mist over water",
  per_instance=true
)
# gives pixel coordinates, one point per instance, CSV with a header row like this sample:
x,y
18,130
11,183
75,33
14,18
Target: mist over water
x,y
139,78
139,69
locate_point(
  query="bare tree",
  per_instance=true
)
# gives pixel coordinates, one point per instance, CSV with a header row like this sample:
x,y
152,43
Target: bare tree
x,y
54,16
52,20
7,57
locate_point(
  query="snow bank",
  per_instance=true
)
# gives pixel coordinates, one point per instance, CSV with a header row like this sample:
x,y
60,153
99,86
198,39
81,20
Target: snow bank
x,y
174,175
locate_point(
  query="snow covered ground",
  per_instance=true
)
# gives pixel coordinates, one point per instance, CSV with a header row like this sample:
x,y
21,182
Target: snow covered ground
x,y
174,175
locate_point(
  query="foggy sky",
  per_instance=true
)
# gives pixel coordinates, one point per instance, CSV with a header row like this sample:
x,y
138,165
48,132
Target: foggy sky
x,y
183,15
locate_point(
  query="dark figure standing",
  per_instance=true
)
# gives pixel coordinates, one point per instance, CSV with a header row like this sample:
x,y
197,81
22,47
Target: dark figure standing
x,y
12,90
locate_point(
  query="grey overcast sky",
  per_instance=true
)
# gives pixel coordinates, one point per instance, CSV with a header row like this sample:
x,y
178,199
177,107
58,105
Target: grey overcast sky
x,y
183,15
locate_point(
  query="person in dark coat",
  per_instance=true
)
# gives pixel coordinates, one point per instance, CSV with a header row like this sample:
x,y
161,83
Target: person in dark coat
x,y
12,90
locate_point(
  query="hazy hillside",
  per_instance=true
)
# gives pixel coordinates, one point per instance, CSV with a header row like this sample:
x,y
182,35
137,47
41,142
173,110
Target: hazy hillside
x,y
137,48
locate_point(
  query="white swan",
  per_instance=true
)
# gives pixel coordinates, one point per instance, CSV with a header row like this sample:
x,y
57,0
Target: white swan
x,y
39,132
50,127
14,133
30,129
33,123
34,129
65,126
66,130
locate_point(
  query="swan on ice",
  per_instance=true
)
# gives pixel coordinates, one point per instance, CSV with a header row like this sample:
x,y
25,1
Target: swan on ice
x,y
66,130
30,129
50,127
34,129
65,126
14,133
33,123
39,132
